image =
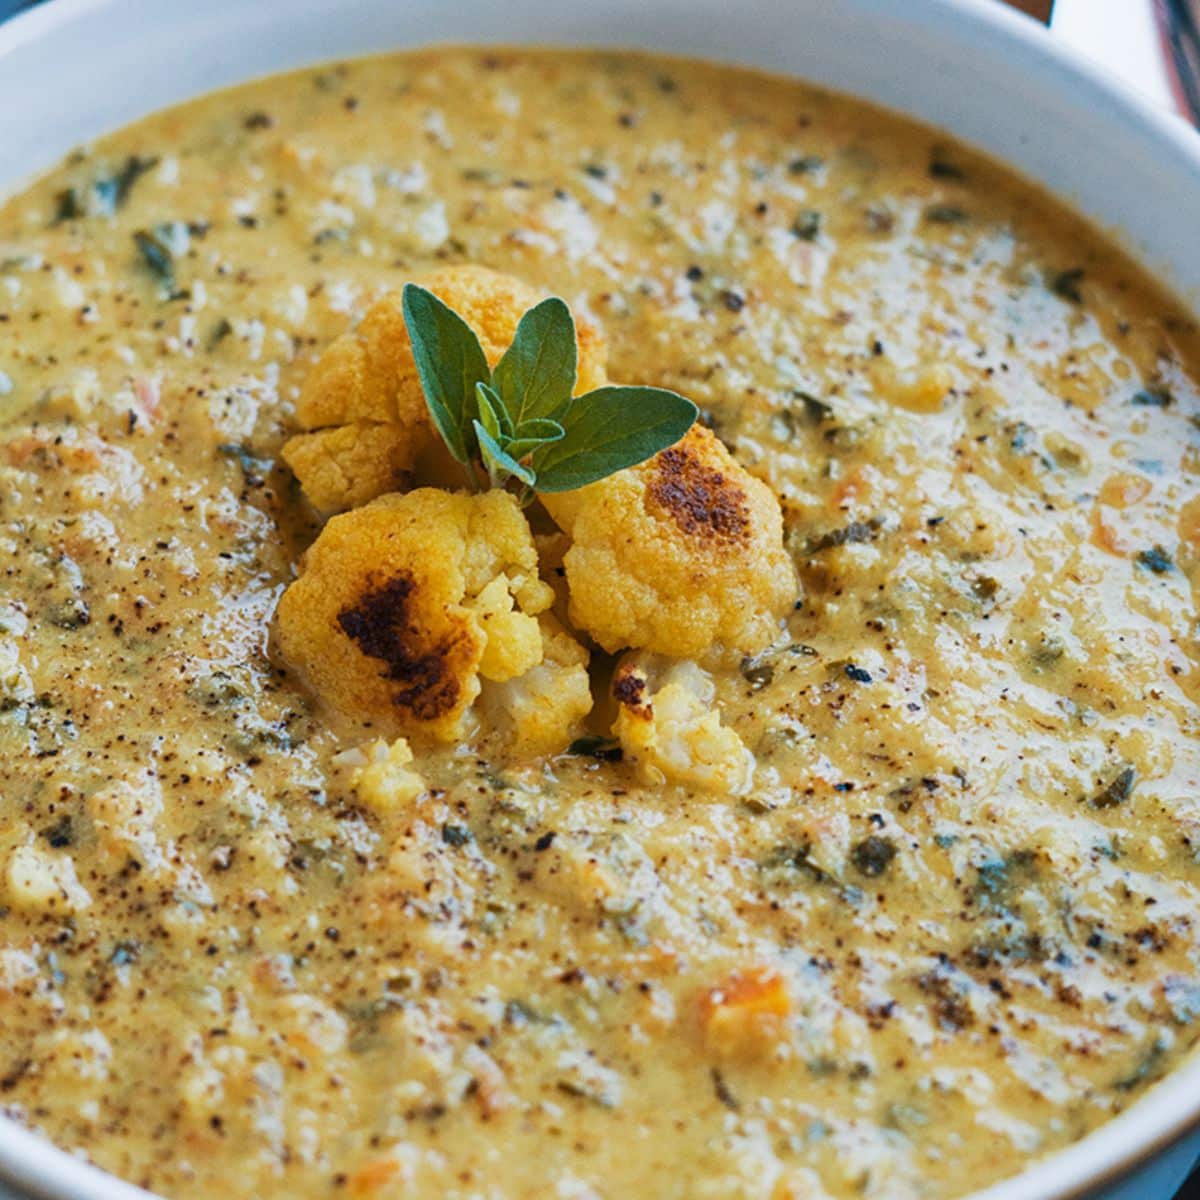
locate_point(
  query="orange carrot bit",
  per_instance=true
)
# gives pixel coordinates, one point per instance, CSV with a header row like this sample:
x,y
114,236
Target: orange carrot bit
x,y
855,488
746,1009
373,1177
1105,535
756,990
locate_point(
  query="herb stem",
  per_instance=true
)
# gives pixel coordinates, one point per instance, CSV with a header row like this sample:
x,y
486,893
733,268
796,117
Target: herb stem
x,y
471,469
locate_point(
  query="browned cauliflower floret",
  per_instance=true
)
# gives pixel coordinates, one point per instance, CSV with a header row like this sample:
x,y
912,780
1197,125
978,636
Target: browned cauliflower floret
x,y
403,607
543,710
367,381
667,726
676,554
348,465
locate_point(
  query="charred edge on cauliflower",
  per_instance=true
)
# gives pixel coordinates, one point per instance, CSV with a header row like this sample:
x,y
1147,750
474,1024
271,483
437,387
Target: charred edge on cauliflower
x,y
703,502
629,689
381,625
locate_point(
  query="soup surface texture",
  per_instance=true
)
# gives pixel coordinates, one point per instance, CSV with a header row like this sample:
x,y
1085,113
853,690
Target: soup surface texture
x,y
943,922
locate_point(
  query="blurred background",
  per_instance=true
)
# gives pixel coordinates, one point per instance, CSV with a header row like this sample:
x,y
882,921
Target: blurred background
x,y
1154,45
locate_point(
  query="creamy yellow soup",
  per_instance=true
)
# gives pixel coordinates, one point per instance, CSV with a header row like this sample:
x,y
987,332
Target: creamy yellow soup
x,y
941,920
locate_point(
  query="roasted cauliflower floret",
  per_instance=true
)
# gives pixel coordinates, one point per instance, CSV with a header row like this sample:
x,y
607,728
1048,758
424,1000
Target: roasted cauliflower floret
x,y
668,727
401,605
386,780
543,709
348,465
514,640
370,374
367,381
676,554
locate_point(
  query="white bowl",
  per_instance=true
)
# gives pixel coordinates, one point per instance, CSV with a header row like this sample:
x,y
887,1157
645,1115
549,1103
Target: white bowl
x,y
76,68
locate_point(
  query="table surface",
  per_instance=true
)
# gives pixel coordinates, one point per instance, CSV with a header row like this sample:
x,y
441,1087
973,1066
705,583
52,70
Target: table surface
x,y
1117,33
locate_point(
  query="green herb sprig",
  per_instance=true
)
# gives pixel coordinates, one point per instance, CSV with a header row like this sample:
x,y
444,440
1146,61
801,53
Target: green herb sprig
x,y
521,421
106,194
158,249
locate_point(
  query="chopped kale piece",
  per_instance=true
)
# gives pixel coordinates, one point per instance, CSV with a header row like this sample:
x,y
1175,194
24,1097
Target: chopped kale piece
x,y
123,953
946,214
68,206
255,468
1117,790
1151,1065
854,533
942,168
985,588
724,1095
1000,879
1065,285
806,164
1155,559
873,855
757,674
1047,650
105,196
455,835
1153,397
600,748
1022,436
112,193
157,258
60,834
807,225
221,330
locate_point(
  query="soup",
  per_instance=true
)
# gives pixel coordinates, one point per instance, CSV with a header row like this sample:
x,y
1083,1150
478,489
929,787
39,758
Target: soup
x,y
855,854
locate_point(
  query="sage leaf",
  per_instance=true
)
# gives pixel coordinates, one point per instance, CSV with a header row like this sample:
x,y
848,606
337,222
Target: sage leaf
x,y
522,419
450,362
492,414
533,434
537,374
105,196
157,257
497,460
610,429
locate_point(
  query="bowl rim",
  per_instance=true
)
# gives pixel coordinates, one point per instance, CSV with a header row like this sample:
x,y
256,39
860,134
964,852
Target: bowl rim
x,y
1169,1110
